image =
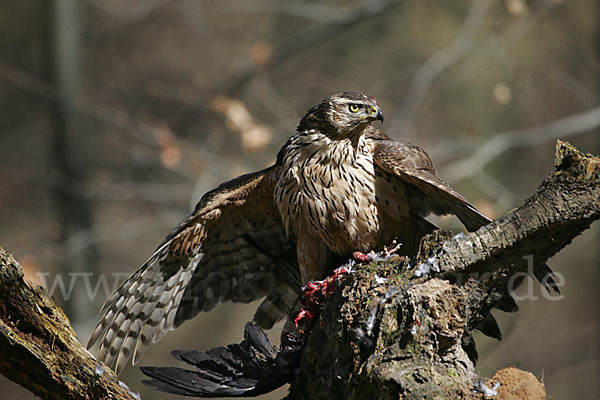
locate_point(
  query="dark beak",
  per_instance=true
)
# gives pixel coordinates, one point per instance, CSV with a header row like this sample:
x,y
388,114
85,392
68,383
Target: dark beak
x,y
376,114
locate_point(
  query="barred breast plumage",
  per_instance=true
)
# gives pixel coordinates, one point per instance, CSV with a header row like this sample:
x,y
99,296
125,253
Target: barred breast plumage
x,y
329,185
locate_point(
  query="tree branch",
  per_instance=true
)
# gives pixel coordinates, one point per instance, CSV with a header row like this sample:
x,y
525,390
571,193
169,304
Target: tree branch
x,y
501,142
445,58
39,349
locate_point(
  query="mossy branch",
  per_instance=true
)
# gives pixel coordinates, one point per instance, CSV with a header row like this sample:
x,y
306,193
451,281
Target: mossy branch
x,y
40,351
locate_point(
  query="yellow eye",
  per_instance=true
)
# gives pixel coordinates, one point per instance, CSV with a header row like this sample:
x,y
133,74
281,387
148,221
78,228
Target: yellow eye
x,y
353,108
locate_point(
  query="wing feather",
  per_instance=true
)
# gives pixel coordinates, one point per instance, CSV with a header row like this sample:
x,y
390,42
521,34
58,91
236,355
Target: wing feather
x,y
413,165
232,247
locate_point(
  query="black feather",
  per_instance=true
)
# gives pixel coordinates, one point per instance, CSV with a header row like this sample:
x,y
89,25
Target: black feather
x,y
545,275
489,326
506,303
250,368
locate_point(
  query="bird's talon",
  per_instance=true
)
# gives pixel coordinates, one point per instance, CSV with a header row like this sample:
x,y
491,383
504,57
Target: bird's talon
x,y
392,248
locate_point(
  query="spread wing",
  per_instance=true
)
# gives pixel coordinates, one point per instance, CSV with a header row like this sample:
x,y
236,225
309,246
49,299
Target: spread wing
x,y
413,165
232,247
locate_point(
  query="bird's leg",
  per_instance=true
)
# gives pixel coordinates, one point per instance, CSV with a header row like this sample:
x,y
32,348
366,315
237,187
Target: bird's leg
x,y
313,256
390,250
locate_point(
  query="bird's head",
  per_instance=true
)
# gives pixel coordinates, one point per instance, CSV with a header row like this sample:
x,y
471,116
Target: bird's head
x,y
342,115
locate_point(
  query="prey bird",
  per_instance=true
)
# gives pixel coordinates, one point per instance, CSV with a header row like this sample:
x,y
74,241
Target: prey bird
x,y
339,185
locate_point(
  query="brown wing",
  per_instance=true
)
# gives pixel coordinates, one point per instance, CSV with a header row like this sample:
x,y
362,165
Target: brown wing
x,y
413,165
232,247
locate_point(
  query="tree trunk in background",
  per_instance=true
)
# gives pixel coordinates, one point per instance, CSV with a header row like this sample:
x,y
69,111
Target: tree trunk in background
x,y
62,46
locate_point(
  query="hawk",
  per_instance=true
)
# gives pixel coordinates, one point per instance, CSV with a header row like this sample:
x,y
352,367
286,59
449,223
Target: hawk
x,y
339,185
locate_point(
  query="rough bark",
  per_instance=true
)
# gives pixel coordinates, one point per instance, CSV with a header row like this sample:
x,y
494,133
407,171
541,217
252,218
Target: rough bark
x,y
40,351
401,337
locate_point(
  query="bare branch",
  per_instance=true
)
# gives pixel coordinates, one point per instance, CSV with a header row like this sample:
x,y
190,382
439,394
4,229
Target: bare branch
x,y
130,12
144,131
308,10
303,39
502,142
462,48
444,59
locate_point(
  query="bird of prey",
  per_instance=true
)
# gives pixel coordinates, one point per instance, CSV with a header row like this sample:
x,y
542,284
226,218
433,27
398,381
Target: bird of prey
x,y
339,185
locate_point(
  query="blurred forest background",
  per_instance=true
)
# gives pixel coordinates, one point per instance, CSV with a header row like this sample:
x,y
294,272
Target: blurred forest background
x,y
116,116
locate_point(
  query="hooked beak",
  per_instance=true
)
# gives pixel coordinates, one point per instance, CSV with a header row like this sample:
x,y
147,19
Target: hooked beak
x,y
375,115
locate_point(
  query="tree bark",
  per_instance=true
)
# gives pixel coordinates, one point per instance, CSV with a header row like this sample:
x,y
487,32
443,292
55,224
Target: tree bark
x,y
390,330
40,351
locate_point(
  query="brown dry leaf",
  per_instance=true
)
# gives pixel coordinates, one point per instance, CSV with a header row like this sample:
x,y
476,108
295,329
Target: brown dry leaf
x,y
170,155
260,53
236,114
502,94
517,8
254,136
